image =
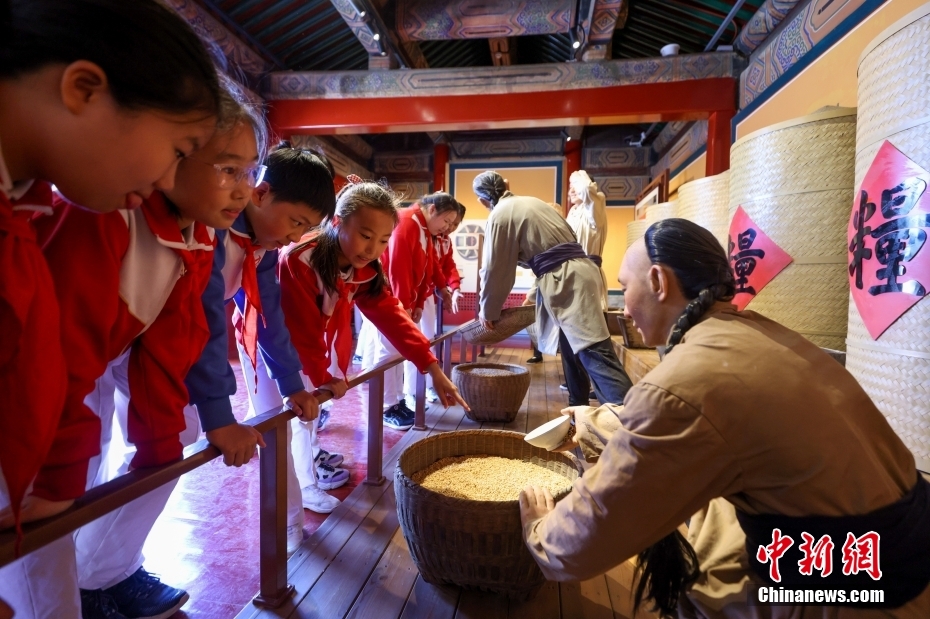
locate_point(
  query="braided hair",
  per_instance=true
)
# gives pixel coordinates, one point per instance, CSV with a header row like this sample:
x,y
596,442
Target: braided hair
x,y
669,567
699,263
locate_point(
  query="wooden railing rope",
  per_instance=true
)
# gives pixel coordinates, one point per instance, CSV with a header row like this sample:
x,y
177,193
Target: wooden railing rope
x,y
107,497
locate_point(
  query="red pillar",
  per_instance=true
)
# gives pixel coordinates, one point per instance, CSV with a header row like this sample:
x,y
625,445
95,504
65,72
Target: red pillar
x,y
440,159
572,164
718,142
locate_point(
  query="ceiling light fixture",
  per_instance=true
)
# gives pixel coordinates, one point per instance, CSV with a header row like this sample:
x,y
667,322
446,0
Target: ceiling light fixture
x,y
376,37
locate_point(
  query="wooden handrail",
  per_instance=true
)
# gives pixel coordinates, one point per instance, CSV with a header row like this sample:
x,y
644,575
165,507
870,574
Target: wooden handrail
x,y
107,497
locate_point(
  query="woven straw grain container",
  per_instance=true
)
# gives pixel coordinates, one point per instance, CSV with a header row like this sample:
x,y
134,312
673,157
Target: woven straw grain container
x,y
635,230
704,201
894,87
473,544
795,181
663,210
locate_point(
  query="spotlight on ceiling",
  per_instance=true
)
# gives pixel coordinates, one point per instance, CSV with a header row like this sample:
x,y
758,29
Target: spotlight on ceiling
x,y
376,37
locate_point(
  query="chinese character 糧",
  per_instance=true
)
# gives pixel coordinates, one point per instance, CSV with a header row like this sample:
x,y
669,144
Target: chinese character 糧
x,y
744,261
898,240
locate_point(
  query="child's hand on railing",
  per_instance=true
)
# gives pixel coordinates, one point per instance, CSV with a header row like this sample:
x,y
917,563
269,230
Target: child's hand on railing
x,y
444,387
337,387
33,508
304,405
237,442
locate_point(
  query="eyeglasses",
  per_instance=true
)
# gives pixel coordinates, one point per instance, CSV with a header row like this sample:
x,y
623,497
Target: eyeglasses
x,y
229,176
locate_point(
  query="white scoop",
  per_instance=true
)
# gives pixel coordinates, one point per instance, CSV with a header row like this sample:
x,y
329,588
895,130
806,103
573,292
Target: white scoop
x,y
549,435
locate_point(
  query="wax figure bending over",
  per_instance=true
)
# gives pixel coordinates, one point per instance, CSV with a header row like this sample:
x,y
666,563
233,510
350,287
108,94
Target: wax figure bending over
x,y
742,409
522,230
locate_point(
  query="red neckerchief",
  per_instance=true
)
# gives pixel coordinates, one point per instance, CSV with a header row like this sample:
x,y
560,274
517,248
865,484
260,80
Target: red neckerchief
x,y
339,339
33,376
247,331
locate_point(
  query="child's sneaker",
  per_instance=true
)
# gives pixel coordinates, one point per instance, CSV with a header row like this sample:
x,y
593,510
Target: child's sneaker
x,y
399,417
323,418
144,595
431,395
318,501
330,478
295,537
324,457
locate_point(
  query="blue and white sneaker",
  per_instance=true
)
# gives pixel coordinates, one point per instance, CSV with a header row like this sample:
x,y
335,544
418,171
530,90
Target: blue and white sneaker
x,y
144,596
332,459
95,604
399,417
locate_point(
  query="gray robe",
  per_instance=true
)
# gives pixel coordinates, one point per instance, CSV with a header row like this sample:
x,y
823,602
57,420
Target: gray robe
x,y
568,298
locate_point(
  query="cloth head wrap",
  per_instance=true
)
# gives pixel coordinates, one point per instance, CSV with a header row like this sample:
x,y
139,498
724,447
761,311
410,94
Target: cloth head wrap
x,y
489,186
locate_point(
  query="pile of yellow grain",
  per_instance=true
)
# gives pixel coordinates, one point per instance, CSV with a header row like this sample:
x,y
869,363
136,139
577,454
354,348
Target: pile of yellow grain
x,y
487,478
489,372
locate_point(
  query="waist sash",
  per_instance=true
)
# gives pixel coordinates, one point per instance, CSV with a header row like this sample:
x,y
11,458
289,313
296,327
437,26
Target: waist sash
x,y
554,257
903,552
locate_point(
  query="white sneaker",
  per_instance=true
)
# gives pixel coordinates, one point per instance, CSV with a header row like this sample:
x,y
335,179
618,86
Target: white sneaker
x,y
318,501
431,395
295,537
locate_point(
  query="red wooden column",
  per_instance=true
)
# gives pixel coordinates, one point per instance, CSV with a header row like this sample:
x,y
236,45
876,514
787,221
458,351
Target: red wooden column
x,y
718,142
572,164
440,159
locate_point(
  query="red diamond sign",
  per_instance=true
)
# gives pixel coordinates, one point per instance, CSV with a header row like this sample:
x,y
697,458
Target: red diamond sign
x,y
889,271
754,258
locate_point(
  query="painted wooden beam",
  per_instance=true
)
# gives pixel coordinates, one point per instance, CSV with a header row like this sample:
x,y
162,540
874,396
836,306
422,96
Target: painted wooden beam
x,y
718,142
682,100
503,51
600,30
385,51
440,20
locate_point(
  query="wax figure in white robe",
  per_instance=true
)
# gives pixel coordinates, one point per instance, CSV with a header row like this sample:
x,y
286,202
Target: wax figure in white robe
x,y
588,218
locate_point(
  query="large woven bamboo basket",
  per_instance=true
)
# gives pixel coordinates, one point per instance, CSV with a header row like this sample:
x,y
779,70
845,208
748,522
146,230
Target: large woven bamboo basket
x,y
635,230
795,181
494,391
511,322
473,544
660,211
894,84
705,201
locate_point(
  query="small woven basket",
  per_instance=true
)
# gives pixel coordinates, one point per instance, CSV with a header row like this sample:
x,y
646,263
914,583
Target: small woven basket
x,y
494,391
512,321
472,544
635,230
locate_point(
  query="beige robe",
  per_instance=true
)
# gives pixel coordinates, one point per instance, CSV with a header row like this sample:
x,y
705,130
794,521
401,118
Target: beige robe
x,y
589,223
744,409
568,298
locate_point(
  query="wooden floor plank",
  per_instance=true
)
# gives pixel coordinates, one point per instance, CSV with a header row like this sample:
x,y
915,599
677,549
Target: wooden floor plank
x,y
386,591
481,605
545,605
428,601
586,600
333,594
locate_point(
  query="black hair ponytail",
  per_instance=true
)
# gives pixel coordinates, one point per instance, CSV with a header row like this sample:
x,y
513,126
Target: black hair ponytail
x,y
441,201
152,57
664,571
668,568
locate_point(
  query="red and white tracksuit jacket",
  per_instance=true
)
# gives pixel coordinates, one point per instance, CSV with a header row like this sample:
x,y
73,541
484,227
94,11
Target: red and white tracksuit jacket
x,y
130,280
319,320
32,365
445,273
408,261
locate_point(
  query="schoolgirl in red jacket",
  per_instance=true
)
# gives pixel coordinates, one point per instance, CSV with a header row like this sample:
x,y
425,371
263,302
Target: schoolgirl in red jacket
x,y
328,273
408,264
446,283
133,325
106,123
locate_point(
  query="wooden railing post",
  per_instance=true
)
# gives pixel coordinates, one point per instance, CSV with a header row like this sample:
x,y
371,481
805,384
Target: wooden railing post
x,y
274,590
375,428
419,417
